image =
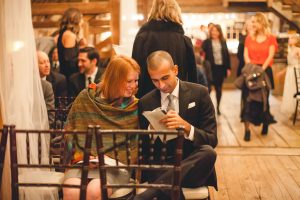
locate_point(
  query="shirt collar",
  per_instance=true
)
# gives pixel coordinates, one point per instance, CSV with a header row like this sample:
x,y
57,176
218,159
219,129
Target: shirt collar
x,y
175,92
93,75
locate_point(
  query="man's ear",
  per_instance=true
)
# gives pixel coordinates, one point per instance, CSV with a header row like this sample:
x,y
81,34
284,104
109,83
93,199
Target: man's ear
x,y
175,69
94,61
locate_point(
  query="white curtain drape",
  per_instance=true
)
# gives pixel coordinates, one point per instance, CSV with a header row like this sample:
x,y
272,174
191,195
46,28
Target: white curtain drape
x,y
22,101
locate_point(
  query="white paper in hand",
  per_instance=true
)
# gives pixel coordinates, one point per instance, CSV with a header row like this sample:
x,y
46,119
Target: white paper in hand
x,y
154,117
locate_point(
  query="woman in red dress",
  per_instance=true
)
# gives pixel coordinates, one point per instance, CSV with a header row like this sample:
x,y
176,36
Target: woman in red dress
x,y
260,48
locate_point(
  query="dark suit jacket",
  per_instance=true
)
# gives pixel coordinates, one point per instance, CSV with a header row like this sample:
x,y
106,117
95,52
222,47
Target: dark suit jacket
x,y
201,116
209,56
167,36
49,99
59,84
77,82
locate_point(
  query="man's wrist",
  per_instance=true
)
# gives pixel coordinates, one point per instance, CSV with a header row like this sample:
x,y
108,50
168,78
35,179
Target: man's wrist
x,y
187,129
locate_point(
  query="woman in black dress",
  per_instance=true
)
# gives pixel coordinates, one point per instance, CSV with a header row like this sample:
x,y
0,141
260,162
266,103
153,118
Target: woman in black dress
x,y
67,43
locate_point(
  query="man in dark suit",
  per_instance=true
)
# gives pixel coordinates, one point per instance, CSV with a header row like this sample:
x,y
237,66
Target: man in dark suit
x,y
88,60
59,84
189,106
57,80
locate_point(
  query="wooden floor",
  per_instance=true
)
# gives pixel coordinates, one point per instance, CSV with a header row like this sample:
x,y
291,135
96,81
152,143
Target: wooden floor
x,y
267,167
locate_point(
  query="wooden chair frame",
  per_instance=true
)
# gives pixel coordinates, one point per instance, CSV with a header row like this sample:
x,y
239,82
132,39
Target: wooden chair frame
x,y
297,94
175,187
15,166
3,143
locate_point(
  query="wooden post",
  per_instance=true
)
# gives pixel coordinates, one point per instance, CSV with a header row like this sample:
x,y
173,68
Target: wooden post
x,y
270,3
115,21
225,3
86,26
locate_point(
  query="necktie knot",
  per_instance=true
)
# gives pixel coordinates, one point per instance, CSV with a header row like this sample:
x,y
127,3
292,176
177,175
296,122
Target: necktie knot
x,y
89,80
171,105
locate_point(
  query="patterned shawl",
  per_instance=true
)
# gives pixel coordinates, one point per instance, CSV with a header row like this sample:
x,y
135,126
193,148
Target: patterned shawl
x,y
89,109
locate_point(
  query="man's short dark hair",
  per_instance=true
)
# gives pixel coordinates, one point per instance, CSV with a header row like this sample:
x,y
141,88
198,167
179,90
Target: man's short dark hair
x,y
92,53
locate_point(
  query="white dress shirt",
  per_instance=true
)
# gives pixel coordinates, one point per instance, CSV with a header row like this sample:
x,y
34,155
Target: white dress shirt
x,y
93,76
165,101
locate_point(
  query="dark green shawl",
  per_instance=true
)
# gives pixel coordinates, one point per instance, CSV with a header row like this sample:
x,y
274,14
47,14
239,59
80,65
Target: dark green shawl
x,y
89,109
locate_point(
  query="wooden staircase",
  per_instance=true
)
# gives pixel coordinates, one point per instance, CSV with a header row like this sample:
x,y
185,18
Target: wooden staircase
x,y
288,10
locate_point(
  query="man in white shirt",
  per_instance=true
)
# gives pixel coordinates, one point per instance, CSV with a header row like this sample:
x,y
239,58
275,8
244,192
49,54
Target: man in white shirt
x,y
88,59
188,105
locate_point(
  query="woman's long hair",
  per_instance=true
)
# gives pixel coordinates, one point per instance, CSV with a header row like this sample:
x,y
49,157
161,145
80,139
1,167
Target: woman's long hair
x,y
219,29
263,21
115,75
71,20
167,10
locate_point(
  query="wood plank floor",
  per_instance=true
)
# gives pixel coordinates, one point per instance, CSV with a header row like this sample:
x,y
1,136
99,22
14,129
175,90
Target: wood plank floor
x,y
267,167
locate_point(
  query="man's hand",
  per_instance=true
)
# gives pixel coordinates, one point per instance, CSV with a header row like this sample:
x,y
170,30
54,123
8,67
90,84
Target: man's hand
x,y
174,121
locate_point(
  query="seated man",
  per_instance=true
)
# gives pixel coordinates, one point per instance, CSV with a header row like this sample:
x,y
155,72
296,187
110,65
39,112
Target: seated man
x,y
44,70
88,59
188,105
57,80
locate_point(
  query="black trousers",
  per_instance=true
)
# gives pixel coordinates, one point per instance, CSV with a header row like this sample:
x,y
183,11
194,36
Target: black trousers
x,y
197,169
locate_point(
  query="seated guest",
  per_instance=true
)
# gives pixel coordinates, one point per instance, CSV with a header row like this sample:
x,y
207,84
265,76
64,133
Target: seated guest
x,y
49,99
103,105
188,105
54,60
88,59
58,81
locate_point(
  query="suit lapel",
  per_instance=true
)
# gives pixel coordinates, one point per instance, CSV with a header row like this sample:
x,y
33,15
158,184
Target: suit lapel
x,y
81,82
184,94
98,76
155,99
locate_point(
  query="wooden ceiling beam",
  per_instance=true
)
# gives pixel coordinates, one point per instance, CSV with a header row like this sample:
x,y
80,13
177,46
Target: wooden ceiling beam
x,y
59,8
94,22
115,8
216,9
201,3
45,24
98,29
52,24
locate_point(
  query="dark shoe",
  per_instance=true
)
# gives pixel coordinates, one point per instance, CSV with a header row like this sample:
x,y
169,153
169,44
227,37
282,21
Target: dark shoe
x,y
264,130
247,136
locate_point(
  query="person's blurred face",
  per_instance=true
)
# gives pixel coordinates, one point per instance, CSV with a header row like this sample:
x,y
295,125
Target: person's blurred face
x,y
131,84
214,33
292,41
164,77
44,64
85,64
256,26
55,55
